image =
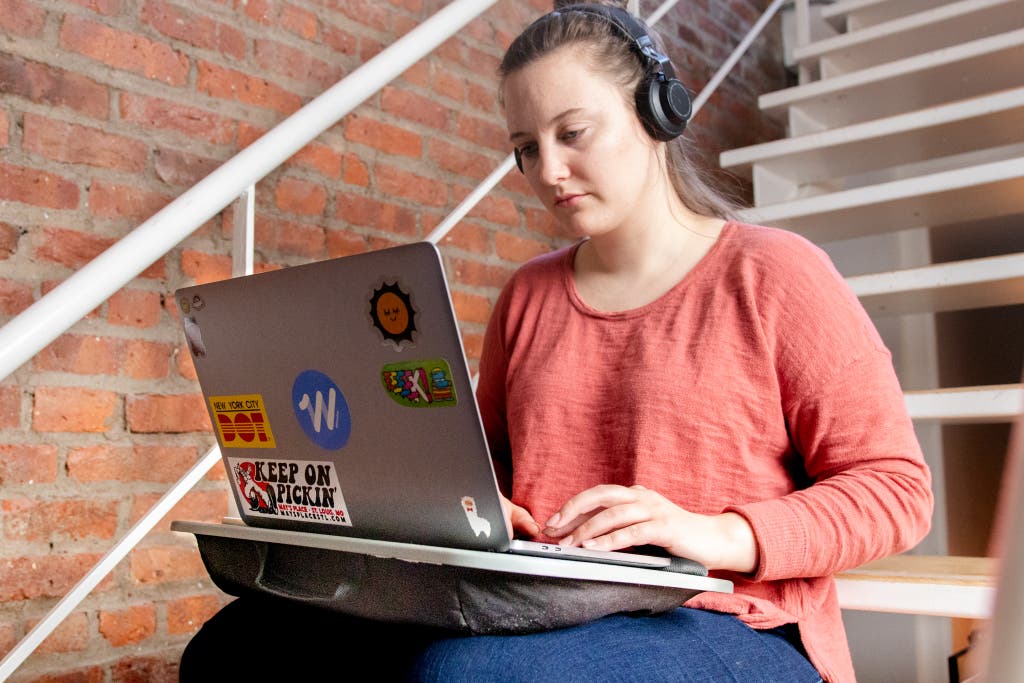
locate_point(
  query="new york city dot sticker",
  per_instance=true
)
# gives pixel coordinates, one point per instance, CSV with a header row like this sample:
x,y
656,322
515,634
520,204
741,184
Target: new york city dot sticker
x,y
393,315
242,421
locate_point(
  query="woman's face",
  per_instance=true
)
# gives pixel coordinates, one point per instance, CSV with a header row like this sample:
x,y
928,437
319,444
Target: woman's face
x,y
584,150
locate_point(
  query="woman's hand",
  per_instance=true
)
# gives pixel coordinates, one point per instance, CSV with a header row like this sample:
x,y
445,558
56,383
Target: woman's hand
x,y
519,519
614,517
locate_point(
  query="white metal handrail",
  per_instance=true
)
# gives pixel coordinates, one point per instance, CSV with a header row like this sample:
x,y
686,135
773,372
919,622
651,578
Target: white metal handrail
x,y
32,330
203,201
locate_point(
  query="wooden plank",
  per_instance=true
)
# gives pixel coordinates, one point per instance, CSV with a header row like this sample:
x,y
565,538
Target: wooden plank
x,y
861,13
967,405
926,585
951,569
950,197
974,283
977,67
975,123
933,29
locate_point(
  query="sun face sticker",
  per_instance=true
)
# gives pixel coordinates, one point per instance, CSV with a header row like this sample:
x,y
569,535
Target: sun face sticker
x,y
393,315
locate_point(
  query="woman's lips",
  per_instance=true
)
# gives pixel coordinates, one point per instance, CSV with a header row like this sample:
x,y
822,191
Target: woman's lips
x,y
568,200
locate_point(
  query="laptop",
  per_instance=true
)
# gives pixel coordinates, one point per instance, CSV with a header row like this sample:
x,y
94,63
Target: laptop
x,y
343,405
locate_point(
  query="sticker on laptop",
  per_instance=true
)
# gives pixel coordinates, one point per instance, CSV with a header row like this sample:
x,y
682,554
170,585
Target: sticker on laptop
x,y
393,315
242,421
194,335
321,410
479,525
290,489
420,384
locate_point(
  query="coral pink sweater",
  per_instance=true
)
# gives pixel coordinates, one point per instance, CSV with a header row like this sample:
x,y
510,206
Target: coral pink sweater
x,y
758,384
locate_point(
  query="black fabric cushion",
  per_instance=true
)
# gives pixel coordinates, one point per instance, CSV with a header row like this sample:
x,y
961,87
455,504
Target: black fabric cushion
x,y
468,600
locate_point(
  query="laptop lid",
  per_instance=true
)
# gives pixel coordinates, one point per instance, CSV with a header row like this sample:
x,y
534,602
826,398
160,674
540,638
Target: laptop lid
x,y
342,403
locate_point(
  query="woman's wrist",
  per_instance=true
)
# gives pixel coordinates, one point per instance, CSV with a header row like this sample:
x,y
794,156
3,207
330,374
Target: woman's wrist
x,y
739,547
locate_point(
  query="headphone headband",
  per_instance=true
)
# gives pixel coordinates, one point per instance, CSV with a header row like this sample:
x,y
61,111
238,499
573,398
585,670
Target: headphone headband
x,y
634,31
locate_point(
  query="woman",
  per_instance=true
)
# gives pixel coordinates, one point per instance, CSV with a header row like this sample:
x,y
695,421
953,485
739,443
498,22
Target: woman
x,y
679,379
675,379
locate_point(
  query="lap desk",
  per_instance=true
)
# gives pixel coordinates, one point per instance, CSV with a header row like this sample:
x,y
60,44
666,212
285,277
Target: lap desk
x,y
465,590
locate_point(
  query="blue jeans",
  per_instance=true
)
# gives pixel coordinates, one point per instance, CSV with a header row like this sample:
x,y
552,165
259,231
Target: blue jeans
x,y
682,645
299,643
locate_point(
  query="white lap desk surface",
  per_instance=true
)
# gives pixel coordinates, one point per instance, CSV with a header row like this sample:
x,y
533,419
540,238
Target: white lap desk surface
x,y
455,557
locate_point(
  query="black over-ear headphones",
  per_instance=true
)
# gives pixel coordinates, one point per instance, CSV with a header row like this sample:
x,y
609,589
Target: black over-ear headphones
x,y
662,101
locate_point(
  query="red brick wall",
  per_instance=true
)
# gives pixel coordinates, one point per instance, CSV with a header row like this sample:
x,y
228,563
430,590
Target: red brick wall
x,y
111,108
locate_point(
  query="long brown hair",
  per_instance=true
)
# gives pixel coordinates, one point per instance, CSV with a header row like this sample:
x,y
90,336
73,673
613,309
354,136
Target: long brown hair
x,y
609,53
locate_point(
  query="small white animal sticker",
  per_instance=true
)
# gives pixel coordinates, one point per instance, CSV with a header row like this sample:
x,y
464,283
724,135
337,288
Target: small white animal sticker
x,y
477,523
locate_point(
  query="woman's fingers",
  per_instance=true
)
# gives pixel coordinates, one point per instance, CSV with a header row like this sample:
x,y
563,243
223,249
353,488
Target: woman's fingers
x,y
520,518
642,533
615,517
523,521
620,518
585,505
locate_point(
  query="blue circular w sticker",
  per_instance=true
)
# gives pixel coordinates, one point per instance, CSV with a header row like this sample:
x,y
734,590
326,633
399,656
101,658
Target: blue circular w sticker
x,y
321,410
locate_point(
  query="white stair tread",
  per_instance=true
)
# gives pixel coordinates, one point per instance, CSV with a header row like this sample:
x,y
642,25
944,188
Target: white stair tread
x,y
937,27
963,405
975,68
975,283
867,12
921,584
955,196
974,123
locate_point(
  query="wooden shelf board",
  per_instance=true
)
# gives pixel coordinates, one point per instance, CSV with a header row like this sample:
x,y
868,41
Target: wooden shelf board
x,y
974,283
921,584
901,37
967,405
841,8
975,123
948,197
978,67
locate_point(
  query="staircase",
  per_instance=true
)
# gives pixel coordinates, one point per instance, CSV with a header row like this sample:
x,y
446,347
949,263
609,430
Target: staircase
x,y
906,140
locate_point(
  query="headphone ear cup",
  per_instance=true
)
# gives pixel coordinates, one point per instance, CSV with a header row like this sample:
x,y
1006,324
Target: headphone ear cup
x,y
664,106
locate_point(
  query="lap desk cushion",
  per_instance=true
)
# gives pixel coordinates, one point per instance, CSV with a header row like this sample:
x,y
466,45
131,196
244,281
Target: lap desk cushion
x,y
463,590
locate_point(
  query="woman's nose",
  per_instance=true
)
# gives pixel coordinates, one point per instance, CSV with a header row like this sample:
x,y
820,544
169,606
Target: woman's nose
x,y
553,166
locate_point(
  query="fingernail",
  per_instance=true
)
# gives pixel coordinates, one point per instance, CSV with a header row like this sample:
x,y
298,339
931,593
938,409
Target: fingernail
x,y
589,543
555,519
566,541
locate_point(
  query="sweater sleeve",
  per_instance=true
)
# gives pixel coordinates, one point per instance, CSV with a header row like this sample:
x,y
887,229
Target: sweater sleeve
x,y
870,492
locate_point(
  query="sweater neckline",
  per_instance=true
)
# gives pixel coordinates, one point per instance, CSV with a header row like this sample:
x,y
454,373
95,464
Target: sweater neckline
x,y
569,281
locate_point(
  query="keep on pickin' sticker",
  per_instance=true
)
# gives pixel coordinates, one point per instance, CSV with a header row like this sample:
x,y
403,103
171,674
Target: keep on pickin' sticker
x,y
290,489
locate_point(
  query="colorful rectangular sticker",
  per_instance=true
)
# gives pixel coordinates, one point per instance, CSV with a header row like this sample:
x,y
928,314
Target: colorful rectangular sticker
x,y
290,489
420,384
242,421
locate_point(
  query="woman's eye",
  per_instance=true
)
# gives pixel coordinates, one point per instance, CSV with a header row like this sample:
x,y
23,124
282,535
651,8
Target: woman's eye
x,y
571,135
